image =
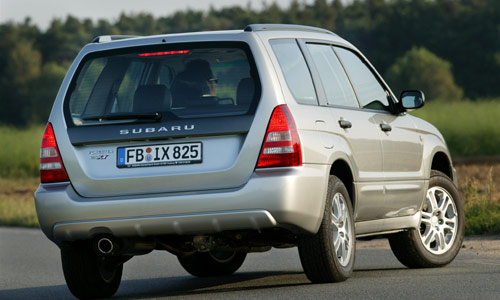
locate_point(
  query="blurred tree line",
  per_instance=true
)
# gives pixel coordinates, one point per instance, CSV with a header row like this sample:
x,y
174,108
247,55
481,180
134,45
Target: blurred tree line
x,y
448,48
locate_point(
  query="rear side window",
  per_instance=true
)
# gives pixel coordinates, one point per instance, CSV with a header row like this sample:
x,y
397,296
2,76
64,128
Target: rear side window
x,y
295,70
338,90
371,94
85,84
196,80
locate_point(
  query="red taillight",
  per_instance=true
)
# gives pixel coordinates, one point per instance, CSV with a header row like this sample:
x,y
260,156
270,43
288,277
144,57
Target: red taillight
x,y
51,166
281,146
164,53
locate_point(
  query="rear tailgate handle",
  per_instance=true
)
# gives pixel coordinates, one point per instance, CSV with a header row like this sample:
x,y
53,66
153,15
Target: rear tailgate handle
x,y
345,124
385,127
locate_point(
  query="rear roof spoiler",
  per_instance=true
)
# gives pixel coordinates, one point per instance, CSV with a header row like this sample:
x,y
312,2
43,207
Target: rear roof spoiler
x,y
110,38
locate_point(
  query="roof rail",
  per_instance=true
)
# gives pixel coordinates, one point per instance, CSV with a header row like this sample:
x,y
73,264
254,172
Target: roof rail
x,y
110,38
287,27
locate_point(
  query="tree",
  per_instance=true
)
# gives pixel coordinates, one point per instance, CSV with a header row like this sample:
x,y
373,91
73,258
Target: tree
x,y
63,40
463,32
421,69
45,90
21,70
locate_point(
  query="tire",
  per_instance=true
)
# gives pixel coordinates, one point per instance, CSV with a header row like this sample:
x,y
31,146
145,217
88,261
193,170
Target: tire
x,y
328,256
441,231
88,275
208,264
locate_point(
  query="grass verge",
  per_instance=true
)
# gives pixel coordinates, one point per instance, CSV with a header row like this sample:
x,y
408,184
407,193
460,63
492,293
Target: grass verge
x,y
481,198
17,205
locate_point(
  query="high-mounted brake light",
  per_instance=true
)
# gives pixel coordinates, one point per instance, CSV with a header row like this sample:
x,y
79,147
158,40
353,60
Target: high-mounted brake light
x,y
281,146
164,53
51,166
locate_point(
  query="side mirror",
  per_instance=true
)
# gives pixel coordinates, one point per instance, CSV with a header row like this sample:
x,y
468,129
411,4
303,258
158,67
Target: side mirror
x,y
411,100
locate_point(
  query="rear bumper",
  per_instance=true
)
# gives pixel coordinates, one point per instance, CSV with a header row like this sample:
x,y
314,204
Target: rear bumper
x,y
271,198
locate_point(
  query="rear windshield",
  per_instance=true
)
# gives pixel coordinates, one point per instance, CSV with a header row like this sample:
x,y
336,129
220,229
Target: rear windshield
x,y
180,81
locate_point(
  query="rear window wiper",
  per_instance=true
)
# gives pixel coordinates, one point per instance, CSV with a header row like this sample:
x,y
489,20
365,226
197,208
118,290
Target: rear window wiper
x,y
137,116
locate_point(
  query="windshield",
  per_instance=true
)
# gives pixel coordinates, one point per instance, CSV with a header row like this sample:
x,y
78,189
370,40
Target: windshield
x,y
147,84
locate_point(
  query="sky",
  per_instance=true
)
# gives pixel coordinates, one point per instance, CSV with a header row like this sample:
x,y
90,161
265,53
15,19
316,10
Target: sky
x,y
42,12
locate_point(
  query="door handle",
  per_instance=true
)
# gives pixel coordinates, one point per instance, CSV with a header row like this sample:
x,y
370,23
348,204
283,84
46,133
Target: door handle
x,y
385,127
345,124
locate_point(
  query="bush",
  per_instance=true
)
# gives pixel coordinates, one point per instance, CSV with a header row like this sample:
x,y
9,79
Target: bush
x,y
422,70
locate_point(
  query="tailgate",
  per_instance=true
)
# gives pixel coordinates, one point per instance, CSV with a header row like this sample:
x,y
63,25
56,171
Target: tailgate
x,y
162,118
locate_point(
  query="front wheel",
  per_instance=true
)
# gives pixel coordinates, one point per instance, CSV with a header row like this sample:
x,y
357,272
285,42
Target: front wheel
x,y
328,256
441,231
207,264
88,275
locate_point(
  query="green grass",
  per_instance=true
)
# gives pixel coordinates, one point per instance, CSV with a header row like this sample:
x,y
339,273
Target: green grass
x,y
20,151
482,219
469,128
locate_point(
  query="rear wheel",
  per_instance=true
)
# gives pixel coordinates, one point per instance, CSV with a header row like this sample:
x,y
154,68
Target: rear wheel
x,y
328,256
206,264
441,230
88,275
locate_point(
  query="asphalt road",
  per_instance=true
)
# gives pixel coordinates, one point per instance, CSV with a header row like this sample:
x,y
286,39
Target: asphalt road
x,y
30,268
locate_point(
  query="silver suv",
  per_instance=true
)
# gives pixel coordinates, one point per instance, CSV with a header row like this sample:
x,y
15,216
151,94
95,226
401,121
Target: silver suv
x,y
212,145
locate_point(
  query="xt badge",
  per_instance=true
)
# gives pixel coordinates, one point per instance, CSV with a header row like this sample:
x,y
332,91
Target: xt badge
x,y
100,154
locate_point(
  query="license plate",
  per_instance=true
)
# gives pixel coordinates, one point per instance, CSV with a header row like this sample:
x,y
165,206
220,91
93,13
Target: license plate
x,y
159,155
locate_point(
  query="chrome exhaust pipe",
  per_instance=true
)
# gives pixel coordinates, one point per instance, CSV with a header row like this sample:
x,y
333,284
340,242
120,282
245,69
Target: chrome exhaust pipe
x,y
109,245
106,246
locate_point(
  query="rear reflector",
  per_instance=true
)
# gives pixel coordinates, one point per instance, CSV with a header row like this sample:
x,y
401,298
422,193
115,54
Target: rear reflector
x,y
51,166
281,146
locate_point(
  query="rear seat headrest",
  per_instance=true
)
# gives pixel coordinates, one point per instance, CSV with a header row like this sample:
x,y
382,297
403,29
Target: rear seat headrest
x,y
152,98
245,91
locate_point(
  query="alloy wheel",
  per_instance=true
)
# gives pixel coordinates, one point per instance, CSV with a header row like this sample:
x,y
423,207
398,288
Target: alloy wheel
x,y
439,221
341,230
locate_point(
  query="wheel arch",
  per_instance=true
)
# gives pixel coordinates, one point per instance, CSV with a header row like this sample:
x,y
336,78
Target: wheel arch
x,y
436,156
441,162
342,170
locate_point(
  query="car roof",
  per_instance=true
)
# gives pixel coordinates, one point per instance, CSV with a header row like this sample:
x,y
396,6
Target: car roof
x,y
263,30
